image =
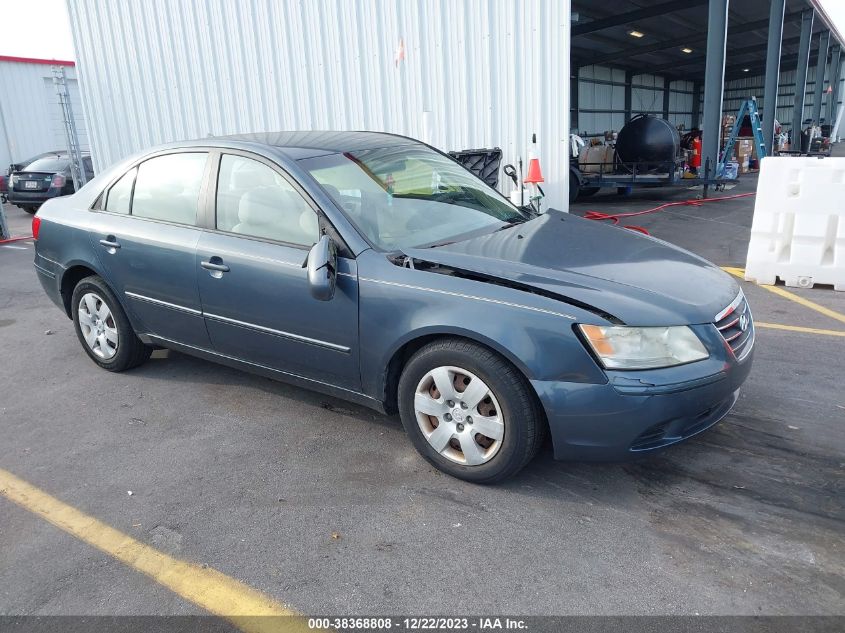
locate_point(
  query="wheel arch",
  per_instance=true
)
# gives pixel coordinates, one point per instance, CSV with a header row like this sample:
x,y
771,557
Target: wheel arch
x,y
73,274
414,341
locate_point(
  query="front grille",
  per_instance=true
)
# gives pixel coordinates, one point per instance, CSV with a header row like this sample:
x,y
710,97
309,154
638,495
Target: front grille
x,y
736,326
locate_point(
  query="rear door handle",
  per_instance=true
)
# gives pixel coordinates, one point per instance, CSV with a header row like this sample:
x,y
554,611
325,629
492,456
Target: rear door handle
x,y
110,242
222,268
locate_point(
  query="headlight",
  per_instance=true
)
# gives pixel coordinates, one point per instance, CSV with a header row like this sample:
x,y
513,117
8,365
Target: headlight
x,y
622,347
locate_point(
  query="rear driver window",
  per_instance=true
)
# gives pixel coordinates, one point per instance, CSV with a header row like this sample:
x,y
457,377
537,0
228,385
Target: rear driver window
x,y
168,187
120,195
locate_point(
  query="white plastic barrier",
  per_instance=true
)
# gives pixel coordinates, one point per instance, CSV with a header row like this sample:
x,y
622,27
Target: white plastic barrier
x,y
798,231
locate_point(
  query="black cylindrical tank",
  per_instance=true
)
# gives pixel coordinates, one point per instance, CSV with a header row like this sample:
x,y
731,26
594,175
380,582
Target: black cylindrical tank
x,y
653,143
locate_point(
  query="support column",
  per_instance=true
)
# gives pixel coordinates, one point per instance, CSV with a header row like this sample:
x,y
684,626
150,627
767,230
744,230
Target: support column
x,y
574,98
772,81
629,94
696,105
824,42
714,81
835,71
667,96
801,74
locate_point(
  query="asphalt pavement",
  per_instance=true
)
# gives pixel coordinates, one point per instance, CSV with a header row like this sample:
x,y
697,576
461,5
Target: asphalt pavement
x,y
325,507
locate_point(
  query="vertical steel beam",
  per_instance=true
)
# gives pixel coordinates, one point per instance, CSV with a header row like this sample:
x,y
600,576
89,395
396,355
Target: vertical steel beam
x,y
574,97
835,71
801,73
667,96
696,105
772,81
629,94
824,42
714,81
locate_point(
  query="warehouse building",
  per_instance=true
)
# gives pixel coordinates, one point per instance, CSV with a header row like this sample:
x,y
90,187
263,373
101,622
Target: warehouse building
x,y
31,119
458,75
670,41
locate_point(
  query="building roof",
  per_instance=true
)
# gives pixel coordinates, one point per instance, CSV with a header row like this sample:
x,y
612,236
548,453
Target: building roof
x,y
601,36
37,60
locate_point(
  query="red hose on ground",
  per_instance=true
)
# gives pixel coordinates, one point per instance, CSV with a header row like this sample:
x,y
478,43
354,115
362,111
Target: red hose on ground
x,y
16,239
614,217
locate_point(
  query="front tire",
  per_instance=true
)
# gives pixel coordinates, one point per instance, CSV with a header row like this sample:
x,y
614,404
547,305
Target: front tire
x,y
103,328
30,210
469,412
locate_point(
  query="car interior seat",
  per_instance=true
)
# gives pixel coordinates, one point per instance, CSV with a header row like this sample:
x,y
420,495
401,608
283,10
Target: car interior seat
x,y
274,213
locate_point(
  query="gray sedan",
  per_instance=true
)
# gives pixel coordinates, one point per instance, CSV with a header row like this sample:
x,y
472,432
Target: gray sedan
x,y
374,268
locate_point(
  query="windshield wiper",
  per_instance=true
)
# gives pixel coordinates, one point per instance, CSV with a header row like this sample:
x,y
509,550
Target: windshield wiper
x,y
446,243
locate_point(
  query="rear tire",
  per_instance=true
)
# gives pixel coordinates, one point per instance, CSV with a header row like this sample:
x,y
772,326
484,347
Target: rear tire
x,y
103,328
462,389
586,192
30,210
574,187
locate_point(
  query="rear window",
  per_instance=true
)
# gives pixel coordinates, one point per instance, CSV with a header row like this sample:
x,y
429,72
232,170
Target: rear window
x,y
51,164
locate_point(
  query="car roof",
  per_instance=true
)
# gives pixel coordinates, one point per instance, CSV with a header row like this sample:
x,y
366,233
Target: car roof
x,y
307,144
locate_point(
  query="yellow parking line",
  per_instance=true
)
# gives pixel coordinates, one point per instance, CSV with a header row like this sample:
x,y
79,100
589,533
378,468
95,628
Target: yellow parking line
x,y
205,587
798,328
833,314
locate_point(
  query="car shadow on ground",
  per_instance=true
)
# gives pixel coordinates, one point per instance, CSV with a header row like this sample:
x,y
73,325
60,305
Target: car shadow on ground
x,y
740,461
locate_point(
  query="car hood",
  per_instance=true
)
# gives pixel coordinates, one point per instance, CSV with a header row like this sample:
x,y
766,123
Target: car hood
x,y
635,278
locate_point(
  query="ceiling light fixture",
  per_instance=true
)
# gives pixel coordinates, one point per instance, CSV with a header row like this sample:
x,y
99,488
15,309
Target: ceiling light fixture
x,y
686,50
636,34
745,70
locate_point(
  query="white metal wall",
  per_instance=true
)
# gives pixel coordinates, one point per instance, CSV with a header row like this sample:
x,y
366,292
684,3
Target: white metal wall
x,y
601,99
490,72
30,115
738,90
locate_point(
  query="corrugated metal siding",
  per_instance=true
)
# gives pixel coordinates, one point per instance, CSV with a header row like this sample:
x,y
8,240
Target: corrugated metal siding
x,y
490,72
738,90
601,99
30,116
601,92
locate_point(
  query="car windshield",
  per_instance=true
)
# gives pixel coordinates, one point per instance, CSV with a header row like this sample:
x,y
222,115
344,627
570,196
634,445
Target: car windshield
x,y
49,164
411,196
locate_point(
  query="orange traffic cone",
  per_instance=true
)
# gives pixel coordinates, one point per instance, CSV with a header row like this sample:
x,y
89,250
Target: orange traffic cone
x,y
535,174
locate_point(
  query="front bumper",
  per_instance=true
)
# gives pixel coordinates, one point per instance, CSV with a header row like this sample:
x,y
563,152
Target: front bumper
x,y
636,413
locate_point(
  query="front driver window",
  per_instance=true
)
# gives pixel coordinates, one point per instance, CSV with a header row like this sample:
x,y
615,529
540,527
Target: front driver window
x,y
255,200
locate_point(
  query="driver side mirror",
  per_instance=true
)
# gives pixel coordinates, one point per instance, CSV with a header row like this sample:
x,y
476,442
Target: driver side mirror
x,y
322,269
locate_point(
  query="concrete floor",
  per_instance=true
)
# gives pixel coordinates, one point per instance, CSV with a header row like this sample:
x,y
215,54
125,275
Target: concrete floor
x,y
253,477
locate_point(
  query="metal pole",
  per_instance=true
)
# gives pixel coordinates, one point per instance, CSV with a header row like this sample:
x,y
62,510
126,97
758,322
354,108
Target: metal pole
x,y
4,229
574,98
667,96
770,88
801,74
629,95
824,42
835,70
714,80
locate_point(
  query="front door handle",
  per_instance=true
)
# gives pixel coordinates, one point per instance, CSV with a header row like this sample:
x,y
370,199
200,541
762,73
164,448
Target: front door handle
x,y
215,266
110,243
